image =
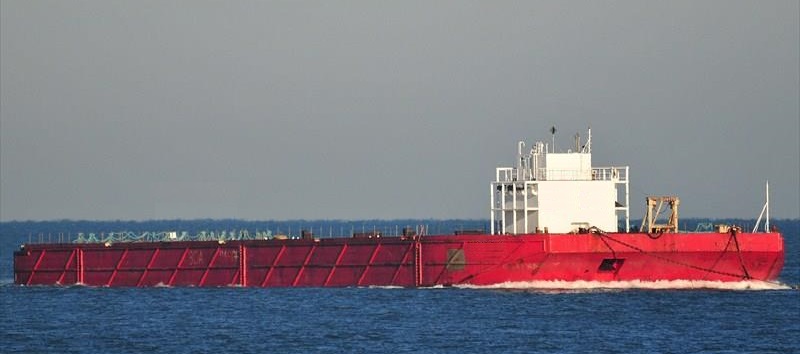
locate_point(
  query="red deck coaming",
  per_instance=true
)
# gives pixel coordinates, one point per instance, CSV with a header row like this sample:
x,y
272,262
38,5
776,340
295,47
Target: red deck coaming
x,y
392,261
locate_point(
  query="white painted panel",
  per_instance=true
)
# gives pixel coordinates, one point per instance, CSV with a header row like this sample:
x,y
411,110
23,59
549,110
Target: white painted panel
x,y
564,205
572,166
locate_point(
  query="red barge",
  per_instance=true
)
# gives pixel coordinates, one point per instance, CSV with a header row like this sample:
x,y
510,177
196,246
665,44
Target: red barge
x,y
553,217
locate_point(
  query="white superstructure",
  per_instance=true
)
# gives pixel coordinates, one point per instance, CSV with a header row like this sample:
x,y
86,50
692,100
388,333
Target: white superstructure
x,y
558,192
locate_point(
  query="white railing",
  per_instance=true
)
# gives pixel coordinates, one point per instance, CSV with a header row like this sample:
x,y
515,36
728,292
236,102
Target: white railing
x,y
510,174
610,174
505,174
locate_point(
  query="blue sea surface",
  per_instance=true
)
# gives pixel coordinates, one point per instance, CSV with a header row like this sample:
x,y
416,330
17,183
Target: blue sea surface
x,y
79,319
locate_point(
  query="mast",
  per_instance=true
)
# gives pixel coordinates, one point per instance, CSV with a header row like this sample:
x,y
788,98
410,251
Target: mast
x,y
766,224
764,211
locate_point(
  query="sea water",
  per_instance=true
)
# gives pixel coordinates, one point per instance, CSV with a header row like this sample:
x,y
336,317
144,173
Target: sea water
x,y
584,317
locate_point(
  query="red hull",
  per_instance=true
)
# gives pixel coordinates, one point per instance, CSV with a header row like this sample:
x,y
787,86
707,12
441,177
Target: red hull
x,y
407,262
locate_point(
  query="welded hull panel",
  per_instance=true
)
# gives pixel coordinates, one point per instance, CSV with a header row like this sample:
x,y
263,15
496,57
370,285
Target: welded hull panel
x,y
406,262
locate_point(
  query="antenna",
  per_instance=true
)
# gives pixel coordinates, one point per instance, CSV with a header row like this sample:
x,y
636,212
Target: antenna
x,y
589,142
521,162
587,148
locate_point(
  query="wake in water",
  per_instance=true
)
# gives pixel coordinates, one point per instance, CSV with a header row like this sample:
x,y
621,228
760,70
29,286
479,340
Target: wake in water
x,y
582,285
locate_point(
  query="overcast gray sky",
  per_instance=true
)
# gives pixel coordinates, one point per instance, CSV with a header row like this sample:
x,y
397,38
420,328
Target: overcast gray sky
x,y
372,109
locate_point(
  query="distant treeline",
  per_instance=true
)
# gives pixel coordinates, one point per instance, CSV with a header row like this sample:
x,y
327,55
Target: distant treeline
x,y
322,228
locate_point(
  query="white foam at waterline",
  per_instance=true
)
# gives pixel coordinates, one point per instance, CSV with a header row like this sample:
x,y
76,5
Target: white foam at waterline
x,y
440,286
402,287
633,284
383,287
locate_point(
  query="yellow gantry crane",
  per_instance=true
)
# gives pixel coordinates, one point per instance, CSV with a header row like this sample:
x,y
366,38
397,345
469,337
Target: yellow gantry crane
x,y
655,206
